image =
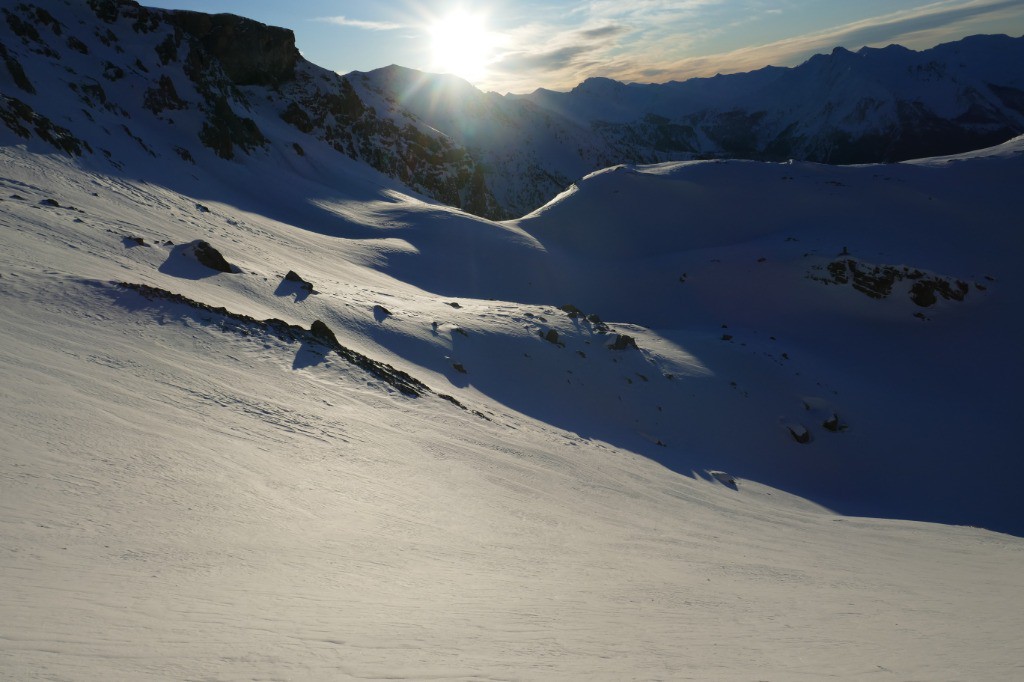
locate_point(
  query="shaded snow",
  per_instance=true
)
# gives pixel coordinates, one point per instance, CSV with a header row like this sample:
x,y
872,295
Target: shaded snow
x,y
180,501
183,497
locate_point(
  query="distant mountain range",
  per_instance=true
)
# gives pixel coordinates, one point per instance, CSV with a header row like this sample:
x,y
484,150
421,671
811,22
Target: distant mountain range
x,y
195,88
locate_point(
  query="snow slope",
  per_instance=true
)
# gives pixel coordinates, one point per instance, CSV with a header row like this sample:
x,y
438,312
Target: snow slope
x,y
186,497
563,447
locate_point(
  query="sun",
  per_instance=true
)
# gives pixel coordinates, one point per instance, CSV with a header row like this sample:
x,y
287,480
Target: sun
x,y
461,45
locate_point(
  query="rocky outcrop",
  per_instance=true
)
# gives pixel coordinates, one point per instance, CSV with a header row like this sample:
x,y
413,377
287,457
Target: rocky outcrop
x,y
879,281
322,332
292,276
210,257
799,433
224,130
250,53
319,333
551,336
163,96
420,157
623,342
23,121
17,72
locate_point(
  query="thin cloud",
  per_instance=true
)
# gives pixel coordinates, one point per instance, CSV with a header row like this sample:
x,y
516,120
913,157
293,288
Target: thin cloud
x,y
609,31
932,20
563,52
552,60
893,26
358,23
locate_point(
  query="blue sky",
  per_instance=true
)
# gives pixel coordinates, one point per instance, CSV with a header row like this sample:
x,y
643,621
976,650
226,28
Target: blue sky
x,y
520,45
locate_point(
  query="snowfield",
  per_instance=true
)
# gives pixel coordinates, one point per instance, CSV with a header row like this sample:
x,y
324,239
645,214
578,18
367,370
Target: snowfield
x,y
185,498
266,413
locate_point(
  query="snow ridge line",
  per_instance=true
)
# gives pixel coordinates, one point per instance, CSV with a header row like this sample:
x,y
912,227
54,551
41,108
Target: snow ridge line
x,y
396,378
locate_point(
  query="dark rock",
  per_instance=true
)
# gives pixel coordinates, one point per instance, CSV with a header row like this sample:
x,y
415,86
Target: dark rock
x,y
224,130
295,115
800,434
108,10
726,337
623,342
46,19
22,28
571,310
292,276
551,336
167,50
250,53
877,281
17,72
832,424
17,116
112,72
108,38
457,366
924,291
202,209
454,304
49,202
163,96
211,257
322,332
138,241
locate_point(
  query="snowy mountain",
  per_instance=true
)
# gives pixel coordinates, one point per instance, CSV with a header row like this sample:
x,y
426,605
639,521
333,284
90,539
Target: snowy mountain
x,y
192,84
875,105
183,85
869,106
269,413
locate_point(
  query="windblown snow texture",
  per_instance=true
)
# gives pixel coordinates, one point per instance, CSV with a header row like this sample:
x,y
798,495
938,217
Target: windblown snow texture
x,y
703,419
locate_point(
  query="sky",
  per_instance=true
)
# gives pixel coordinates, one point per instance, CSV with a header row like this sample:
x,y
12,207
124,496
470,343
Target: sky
x,y
521,45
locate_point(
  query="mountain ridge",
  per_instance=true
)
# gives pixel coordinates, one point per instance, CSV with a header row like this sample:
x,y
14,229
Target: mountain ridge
x,y
496,156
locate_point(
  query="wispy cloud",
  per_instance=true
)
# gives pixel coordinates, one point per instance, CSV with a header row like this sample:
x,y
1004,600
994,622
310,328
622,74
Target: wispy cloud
x,y
937,19
540,54
608,31
358,23
645,40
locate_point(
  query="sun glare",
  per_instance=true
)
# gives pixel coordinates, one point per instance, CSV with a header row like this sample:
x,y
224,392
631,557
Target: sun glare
x,y
462,45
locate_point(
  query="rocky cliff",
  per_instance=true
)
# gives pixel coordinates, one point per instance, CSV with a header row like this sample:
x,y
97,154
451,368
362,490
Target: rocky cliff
x,y
182,85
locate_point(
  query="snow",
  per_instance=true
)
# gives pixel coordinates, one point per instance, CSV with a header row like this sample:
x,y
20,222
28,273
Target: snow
x,y
180,501
186,496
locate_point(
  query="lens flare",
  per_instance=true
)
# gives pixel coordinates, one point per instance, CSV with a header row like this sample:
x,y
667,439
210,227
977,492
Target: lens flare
x,y
461,45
